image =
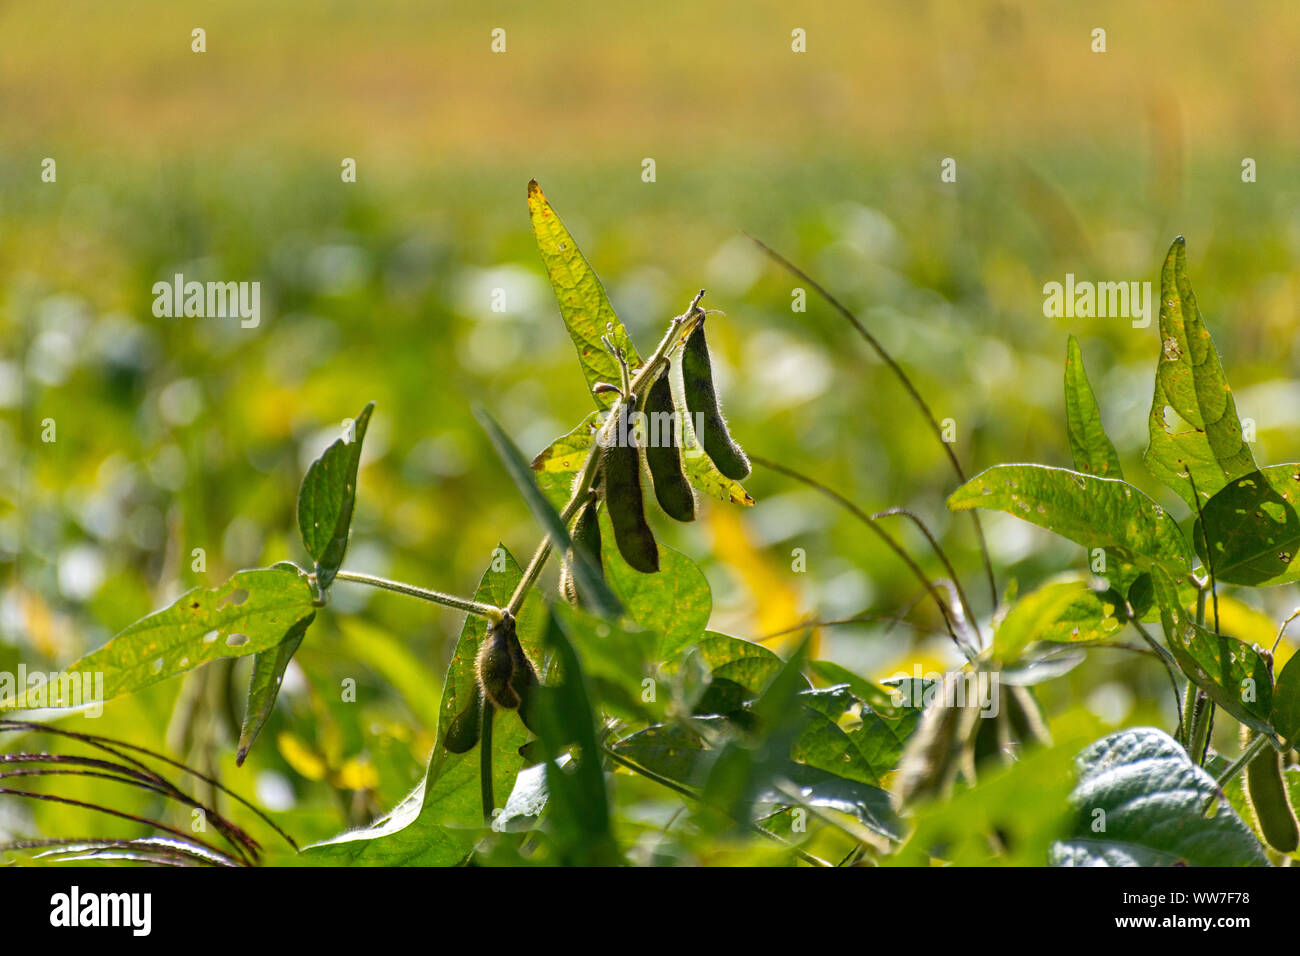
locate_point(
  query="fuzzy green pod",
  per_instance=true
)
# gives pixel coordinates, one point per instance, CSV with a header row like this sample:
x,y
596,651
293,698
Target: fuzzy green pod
x,y
702,402
1026,716
620,487
663,452
463,733
504,672
1268,798
586,540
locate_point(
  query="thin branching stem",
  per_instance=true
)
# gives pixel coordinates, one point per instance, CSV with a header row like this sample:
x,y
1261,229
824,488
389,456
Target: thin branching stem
x,y
908,386
489,611
881,533
952,573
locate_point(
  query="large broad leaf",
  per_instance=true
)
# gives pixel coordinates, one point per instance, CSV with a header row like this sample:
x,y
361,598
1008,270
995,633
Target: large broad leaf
x,y
1232,673
438,823
616,662
675,601
583,304
1092,449
1140,802
1205,437
1095,512
699,467
1253,528
590,582
264,685
1286,701
251,612
674,752
865,750
326,498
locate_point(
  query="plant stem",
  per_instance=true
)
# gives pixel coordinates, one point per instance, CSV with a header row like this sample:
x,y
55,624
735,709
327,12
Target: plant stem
x,y
1198,737
1251,751
486,716
680,327
488,611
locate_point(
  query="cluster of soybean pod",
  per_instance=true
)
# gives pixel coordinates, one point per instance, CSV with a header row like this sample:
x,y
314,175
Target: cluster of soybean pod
x,y
505,677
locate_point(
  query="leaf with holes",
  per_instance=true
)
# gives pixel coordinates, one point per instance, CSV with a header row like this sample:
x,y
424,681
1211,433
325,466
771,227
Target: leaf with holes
x,y
326,498
1150,796
1095,512
1253,528
1204,438
584,306
252,612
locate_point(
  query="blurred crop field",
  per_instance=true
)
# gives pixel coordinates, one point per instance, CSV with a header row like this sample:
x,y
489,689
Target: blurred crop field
x,y
184,433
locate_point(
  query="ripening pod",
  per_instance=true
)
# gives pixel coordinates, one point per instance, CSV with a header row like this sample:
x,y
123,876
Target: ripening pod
x,y
464,731
934,753
620,488
504,672
1266,790
1026,716
586,539
663,452
702,402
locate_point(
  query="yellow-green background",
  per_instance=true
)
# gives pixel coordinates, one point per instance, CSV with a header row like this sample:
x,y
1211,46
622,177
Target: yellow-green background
x,y
183,433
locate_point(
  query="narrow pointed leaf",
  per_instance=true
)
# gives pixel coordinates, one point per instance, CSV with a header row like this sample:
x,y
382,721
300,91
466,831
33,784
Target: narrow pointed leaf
x,y
325,501
1092,449
584,306
589,579
1095,512
1205,438
264,686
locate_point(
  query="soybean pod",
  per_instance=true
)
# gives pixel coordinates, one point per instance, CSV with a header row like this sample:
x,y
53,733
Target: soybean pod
x,y
702,402
1268,797
620,487
586,541
663,452
463,733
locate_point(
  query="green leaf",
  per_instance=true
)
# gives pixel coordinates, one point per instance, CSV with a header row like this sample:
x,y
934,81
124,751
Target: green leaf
x,y
674,601
589,579
438,822
584,306
264,685
559,462
864,750
1232,673
1035,615
325,500
1206,436
699,467
1152,796
1091,616
615,661
740,671
1285,717
833,673
578,805
1253,528
1092,449
253,611
817,787
1095,512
